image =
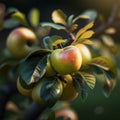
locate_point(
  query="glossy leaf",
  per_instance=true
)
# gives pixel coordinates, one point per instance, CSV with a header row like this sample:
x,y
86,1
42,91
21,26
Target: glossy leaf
x,y
34,17
80,87
84,29
58,16
50,91
89,79
53,25
34,66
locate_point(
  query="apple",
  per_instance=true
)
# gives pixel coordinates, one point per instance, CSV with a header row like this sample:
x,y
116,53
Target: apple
x,y
69,91
49,69
85,52
21,41
66,60
66,113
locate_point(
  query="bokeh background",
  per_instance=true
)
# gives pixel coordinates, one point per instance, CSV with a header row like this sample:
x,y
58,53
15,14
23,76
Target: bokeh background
x,y
96,106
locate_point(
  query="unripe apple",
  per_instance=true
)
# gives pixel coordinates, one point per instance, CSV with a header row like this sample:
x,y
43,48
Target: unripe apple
x,y
49,69
69,91
21,41
66,60
85,52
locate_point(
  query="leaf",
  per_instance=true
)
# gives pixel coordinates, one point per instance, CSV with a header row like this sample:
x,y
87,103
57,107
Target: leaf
x,y
87,34
110,31
80,17
53,39
70,20
108,69
51,116
10,23
80,87
87,41
92,14
34,17
50,91
59,41
20,17
53,25
82,30
34,66
89,79
58,16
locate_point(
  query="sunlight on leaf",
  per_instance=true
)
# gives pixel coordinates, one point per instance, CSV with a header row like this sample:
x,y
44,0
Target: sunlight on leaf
x,y
84,29
58,16
59,41
89,79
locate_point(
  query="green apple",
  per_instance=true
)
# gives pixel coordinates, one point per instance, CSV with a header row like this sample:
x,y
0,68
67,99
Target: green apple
x,y
21,41
85,52
66,60
49,69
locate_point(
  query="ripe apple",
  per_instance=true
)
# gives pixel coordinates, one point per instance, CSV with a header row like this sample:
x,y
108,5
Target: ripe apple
x,y
69,91
85,52
66,60
66,113
21,41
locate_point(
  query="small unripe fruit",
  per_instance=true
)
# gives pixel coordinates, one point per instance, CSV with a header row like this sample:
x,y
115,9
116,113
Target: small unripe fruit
x,y
66,60
21,41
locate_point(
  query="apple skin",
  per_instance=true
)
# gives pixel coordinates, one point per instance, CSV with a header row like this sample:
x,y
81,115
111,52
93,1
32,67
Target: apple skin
x,y
69,91
21,41
85,52
66,113
49,69
66,60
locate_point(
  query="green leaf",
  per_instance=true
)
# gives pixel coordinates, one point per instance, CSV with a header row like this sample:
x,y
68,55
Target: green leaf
x,y
70,20
84,29
51,91
10,23
52,40
34,17
20,17
108,69
105,64
53,25
34,66
89,79
58,16
80,87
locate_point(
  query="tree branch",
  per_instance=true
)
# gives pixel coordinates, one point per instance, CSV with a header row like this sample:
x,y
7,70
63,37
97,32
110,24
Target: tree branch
x,y
33,112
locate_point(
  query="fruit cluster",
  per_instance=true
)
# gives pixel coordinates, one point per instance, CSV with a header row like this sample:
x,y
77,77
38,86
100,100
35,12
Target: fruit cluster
x,y
61,62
